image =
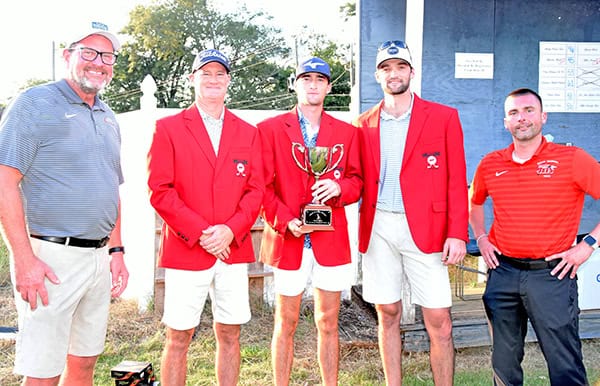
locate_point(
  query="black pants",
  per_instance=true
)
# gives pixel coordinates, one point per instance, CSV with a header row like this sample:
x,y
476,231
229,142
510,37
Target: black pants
x,y
512,296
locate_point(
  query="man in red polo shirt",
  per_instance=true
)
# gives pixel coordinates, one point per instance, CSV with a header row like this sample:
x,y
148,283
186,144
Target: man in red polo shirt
x,y
537,189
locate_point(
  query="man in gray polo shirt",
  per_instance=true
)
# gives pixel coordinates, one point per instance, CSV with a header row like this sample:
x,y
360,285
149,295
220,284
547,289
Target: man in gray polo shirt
x,y
60,173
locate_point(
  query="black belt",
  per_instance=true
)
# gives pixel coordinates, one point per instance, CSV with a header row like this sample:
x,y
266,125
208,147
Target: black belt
x,y
74,241
528,264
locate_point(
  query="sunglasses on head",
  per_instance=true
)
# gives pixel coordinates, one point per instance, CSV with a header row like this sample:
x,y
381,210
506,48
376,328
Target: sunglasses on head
x,y
392,43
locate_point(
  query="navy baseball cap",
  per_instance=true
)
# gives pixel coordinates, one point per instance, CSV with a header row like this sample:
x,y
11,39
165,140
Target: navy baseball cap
x,y
208,56
314,64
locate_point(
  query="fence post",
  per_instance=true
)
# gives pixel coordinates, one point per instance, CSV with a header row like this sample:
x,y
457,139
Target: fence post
x,y
138,216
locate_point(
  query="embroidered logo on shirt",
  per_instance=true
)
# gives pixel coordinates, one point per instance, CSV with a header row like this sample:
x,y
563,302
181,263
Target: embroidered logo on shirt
x,y
337,173
547,168
240,166
432,161
498,174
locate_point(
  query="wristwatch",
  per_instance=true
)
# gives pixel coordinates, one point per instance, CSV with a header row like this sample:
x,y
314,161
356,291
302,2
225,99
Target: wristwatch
x,y
591,241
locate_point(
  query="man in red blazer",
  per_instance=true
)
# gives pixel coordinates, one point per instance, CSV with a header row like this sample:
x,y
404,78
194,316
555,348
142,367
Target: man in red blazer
x,y
295,255
413,215
205,180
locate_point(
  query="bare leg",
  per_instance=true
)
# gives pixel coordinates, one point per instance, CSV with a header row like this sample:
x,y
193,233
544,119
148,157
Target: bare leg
x,y
79,371
173,365
228,353
438,323
287,311
29,381
327,308
390,341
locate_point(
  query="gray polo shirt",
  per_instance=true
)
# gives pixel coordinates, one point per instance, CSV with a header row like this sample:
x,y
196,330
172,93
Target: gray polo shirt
x,y
69,156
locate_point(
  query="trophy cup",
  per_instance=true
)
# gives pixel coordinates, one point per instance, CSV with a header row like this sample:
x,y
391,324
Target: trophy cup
x,y
317,161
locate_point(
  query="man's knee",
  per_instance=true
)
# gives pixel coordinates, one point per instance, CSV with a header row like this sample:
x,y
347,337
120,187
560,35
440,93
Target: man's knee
x,y
228,334
178,340
389,314
438,323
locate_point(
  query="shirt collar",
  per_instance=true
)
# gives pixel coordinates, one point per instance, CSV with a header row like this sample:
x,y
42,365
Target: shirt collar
x,y
74,98
507,153
389,117
206,116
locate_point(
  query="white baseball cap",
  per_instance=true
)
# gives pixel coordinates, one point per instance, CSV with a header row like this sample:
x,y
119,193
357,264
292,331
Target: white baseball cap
x,y
393,49
97,28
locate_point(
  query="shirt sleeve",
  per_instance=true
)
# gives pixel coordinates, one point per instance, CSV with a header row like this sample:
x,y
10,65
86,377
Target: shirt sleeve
x,y
478,191
18,146
586,172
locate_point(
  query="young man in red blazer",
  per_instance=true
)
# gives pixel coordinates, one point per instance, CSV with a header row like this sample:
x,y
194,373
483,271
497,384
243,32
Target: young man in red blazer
x,y
413,216
205,180
296,255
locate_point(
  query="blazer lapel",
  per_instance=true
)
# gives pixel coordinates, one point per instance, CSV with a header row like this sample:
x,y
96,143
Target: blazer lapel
x,y
228,134
292,127
195,126
418,117
294,133
372,134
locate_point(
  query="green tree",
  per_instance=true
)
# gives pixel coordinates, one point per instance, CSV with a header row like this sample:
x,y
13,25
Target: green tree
x,y
348,10
166,35
339,58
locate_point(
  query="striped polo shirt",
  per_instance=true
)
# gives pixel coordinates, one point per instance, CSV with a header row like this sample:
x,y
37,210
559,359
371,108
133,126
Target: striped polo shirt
x,y
392,132
69,155
537,204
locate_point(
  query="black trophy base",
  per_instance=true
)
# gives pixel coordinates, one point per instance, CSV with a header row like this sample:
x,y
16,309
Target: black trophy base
x,y
316,217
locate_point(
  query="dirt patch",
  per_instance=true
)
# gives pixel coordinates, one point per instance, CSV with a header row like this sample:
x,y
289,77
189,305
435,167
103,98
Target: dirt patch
x,y
357,324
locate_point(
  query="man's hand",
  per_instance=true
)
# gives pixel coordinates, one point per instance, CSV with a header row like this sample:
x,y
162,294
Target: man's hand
x,y
324,190
30,276
119,274
572,259
216,240
295,227
487,250
454,251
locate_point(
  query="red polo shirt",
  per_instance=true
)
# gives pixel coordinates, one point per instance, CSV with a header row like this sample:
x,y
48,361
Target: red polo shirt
x,y
538,204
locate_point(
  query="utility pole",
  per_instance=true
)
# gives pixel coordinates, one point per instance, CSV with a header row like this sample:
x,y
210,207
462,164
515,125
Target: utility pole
x,y
53,61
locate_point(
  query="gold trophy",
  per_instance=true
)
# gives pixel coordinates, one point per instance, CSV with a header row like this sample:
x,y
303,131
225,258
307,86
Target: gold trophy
x,y
317,161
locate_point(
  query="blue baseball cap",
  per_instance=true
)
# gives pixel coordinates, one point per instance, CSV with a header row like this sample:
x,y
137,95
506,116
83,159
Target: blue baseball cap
x,y
208,56
314,64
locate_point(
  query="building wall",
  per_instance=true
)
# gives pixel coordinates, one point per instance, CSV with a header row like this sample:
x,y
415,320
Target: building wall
x,y
511,30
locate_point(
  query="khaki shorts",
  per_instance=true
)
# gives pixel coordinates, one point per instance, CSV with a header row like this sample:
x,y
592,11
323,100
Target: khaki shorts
x,y
75,320
186,292
292,283
393,264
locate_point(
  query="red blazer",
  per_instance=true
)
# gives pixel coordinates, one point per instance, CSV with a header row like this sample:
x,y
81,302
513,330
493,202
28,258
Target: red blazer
x,y
288,188
192,189
432,178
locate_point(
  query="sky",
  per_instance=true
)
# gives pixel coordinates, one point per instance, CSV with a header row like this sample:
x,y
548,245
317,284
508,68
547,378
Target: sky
x,y
28,29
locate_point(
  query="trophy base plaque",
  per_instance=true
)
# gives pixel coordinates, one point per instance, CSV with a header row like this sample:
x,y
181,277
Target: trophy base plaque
x,y
316,217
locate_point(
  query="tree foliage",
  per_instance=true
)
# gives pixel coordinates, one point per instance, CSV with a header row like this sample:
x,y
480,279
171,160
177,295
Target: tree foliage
x,y
166,35
339,59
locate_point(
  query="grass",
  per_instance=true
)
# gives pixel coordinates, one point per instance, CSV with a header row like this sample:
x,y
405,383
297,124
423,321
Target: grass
x,y
140,337
135,336
4,269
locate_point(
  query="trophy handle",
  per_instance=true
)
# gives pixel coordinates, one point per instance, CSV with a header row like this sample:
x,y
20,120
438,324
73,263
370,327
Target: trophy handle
x,y
334,149
301,149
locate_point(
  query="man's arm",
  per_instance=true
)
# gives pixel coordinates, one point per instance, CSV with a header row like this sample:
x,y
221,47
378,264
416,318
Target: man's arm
x,y
30,271
573,257
454,248
486,248
118,270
